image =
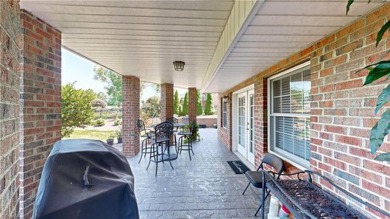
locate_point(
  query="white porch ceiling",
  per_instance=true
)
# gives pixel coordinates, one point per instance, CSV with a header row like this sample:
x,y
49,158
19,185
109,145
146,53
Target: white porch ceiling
x,y
143,38
140,38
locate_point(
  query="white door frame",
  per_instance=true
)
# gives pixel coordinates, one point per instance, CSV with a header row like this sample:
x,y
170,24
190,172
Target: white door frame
x,y
251,156
242,148
235,113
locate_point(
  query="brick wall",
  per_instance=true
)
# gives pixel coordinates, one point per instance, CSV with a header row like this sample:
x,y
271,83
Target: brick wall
x,y
342,110
225,133
130,113
40,93
9,108
192,104
166,101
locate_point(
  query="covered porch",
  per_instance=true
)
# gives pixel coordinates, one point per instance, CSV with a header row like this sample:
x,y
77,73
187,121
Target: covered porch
x,y
238,49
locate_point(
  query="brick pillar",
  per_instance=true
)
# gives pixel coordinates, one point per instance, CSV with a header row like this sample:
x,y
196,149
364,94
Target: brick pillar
x,y
260,121
130,114
40,92
192,104
166,102
9,108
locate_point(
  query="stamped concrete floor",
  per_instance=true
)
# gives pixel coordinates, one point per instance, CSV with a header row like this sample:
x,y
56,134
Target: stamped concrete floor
x,y
204,187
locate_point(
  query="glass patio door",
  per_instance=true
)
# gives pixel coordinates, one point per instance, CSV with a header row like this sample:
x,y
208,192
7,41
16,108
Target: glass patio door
x,y
245,125
241,132
250,127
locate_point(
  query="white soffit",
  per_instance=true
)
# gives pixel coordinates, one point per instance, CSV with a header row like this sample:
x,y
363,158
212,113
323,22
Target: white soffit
x,y
280,29
140,38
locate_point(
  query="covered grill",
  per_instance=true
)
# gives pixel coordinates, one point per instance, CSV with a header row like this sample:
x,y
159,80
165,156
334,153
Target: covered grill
x,y
85,179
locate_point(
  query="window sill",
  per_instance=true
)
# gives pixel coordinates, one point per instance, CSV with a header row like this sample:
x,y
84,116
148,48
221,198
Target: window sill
x,y
293,163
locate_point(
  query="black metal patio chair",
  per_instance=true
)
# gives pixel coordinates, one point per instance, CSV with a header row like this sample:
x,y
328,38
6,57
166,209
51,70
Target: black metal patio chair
x,y
146,146
186,138
161,147
255,177
175,129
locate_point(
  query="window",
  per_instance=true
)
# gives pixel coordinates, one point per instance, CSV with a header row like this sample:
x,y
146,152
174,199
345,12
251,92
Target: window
x,y
289,115
224,112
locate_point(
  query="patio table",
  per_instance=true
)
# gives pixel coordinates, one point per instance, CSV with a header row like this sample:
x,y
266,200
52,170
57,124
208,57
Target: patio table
x,y
175,125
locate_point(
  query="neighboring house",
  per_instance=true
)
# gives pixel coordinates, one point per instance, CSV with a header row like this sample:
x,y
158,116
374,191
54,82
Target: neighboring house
x,y
286,73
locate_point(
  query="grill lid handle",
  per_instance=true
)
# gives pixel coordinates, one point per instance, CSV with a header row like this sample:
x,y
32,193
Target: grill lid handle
x,y
87,184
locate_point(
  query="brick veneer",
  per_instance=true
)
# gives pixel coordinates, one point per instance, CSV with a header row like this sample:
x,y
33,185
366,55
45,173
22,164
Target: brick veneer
x,y
131,113
40,93
166,101
9,108
192,92
225,133
342,111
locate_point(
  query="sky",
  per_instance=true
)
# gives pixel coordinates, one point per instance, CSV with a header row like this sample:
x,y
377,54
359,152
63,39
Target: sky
x,y
80,70
77,69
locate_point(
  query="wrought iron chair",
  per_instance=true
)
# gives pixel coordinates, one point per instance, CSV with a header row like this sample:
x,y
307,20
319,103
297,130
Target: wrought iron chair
x,y
161,147
186,139
175,129
255,177
146,147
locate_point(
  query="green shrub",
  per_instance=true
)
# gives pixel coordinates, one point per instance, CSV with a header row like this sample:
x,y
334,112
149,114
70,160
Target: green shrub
x,y
117,122
98,123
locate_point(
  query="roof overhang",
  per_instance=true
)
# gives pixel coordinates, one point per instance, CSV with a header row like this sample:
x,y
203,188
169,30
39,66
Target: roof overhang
x,y
276,30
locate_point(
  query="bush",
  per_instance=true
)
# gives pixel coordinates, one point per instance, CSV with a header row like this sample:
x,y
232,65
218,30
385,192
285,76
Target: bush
x,y
98,123
117,122
76,108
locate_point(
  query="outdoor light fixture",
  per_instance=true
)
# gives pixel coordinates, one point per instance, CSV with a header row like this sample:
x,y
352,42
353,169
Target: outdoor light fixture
x,y
178,65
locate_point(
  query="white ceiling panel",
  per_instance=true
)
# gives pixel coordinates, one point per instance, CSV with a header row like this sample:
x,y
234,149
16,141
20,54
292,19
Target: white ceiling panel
x,y
299,20
143,38
140,38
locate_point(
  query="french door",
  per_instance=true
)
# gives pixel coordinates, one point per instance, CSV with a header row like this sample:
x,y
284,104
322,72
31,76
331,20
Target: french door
x,y
245,125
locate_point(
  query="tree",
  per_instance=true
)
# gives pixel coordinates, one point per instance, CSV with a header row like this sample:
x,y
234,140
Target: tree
x,y
76,108
176,103
102,96
199,109
184,107
151,107
208,108
144,85
377,71
98,103
113,84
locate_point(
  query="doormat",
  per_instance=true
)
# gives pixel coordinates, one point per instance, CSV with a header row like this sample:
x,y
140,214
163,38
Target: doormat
x,y
238,167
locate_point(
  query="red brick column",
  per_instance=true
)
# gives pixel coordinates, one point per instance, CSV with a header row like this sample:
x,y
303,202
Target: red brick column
x,y
166,102
130,112
40,93
192,104
261,130
9,108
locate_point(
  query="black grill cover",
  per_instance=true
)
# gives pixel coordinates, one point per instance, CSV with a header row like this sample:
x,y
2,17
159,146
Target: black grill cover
x,y
85,179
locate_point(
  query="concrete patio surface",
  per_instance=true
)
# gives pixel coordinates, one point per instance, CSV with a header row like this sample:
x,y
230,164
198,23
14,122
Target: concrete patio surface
x,y
204,187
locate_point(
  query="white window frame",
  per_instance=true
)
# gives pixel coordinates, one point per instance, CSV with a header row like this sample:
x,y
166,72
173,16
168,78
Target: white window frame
x,y
224,112
292,159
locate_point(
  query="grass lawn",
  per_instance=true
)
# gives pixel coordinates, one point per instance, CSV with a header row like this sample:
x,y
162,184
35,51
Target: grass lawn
x,y
92,134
